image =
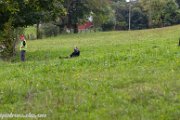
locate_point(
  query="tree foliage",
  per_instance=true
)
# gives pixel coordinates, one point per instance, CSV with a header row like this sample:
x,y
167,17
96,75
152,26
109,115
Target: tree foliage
x,y
21,13
80,10
160,12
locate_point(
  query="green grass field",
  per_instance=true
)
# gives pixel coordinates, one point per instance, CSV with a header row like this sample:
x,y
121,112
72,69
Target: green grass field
x,y
127,75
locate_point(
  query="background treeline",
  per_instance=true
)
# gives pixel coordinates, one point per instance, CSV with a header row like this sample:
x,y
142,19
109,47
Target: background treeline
x,y
53,17
144,14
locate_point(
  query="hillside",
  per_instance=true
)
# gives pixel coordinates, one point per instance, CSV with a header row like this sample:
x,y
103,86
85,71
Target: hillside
x,y
126,75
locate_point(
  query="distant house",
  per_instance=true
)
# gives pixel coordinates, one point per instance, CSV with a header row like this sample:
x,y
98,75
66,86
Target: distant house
x,y
85,26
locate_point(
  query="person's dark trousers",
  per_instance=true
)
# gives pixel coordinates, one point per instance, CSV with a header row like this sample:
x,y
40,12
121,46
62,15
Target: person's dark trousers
x,y
75,54
23,52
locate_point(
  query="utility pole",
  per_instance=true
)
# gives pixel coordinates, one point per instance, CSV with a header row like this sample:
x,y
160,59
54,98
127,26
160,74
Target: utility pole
x,y
129,14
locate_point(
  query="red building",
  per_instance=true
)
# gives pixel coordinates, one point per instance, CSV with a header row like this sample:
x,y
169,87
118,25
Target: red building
x,y
85,26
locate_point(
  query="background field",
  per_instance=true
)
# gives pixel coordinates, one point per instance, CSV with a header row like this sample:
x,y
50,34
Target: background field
x,y
130,75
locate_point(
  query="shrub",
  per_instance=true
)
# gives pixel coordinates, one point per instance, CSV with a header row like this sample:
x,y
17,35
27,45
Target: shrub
x,y
49,30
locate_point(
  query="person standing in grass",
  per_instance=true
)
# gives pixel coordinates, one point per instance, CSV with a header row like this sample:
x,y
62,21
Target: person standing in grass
x,y
23,48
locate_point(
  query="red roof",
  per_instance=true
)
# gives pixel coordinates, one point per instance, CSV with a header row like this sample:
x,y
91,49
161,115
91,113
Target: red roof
x,y
85,26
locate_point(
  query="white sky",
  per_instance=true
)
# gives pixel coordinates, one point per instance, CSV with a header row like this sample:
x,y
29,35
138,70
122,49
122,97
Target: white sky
x,y
129,0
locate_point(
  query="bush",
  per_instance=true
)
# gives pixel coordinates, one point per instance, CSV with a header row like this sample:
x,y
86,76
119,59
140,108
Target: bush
x,y
108,26
7,41
49,30
121,25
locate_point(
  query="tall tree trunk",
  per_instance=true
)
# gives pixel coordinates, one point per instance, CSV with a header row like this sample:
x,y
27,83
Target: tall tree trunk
x,y
75,27
37,31
150,19
8,42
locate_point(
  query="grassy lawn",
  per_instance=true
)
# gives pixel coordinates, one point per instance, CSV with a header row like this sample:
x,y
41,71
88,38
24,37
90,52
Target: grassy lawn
x,y
127,75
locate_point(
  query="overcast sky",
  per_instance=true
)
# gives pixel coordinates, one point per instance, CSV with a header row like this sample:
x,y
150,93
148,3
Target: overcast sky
x,y
129,0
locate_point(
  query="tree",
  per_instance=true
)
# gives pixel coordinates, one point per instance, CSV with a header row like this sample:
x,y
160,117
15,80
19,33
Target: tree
x,y
79,10
160,12
37,11
170,13
21,13
139,19
138,16
7,40
102,12
75,10
109,20
178,2
121,14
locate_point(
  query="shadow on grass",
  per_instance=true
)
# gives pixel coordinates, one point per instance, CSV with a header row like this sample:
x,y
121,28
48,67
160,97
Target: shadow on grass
x,y
42,55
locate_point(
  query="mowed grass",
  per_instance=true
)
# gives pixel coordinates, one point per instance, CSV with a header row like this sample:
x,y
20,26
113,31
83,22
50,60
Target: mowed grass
x,y
129,75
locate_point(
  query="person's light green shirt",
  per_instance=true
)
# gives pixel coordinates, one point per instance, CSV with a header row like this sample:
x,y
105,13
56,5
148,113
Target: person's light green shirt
x,y
22,47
